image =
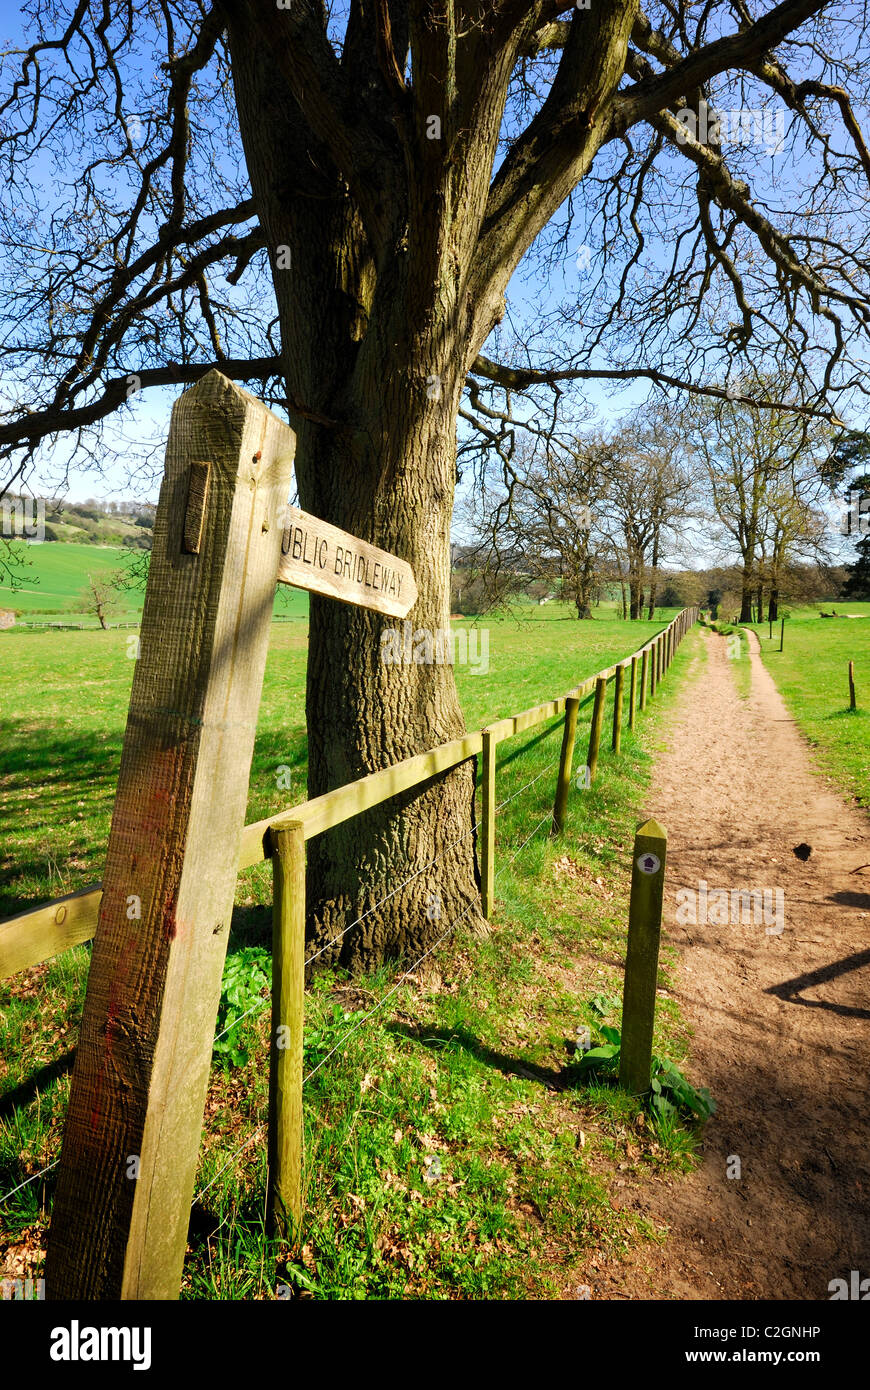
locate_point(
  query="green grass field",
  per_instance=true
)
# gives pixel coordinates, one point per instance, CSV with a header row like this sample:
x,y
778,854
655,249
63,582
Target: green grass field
x,y
812,673
467,1064
56,573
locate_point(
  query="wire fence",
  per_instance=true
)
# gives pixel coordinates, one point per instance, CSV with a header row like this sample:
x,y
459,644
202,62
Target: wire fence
x,y
262,1005
359,1023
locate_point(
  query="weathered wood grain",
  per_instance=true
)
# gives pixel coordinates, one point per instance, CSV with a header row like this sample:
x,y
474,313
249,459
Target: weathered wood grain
x,y
42,932
325,560
642,956
288,1020
131,1143
487,839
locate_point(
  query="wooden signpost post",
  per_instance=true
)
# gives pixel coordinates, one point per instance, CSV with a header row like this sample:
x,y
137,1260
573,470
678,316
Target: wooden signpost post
x,y
131,1142
642,956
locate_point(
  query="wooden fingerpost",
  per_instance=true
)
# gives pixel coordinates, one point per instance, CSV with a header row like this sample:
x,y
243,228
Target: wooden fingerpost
x,y
644,666
487,843
563,783
632,693
852,685
595,729
288,1019
131,1141
617,709
642,957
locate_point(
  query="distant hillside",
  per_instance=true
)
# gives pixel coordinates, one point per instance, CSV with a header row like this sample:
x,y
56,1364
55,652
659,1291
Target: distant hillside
x,y
53,580
51,586
127,524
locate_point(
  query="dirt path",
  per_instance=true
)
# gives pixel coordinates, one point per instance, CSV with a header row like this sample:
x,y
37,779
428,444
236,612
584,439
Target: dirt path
x,y
782,1021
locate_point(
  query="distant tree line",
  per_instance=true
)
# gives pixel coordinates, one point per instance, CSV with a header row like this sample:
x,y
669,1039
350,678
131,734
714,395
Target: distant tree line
x,y
598,512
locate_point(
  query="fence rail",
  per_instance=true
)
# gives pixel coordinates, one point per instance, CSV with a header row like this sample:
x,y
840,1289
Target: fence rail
x,y
40,932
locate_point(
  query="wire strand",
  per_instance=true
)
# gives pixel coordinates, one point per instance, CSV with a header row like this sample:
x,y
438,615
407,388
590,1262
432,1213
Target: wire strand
x,y
250,1139
392,893
389,993
505,867
7,1195
508,799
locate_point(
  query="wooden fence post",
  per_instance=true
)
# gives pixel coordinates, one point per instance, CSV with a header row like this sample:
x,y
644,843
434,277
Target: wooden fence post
x,y
632,693
653,668
781,634
595,729
617,708
644,667
642,956
131,1142
487,843
569,734
852,685
288,1020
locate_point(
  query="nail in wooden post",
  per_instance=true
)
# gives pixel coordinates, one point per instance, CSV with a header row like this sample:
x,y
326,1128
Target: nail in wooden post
x,y
569,734
288,1021
852,685
644,667
131,1141
632,693
487,846
642,957
617,709
595,730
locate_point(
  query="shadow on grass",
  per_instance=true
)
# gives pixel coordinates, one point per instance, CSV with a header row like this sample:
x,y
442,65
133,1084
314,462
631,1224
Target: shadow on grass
x,y
46,770
27,1091
461,1039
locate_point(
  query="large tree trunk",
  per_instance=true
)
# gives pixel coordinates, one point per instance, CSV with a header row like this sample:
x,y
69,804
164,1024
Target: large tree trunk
x,y
583,598
746,596
387,365
386,712
654,578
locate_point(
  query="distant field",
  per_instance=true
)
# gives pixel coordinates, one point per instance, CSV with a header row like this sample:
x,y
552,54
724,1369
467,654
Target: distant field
x,y
57,574
812,672
64,696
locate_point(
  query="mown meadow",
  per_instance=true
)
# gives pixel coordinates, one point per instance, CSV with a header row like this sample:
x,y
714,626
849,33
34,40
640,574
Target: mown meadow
x,y
812,673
